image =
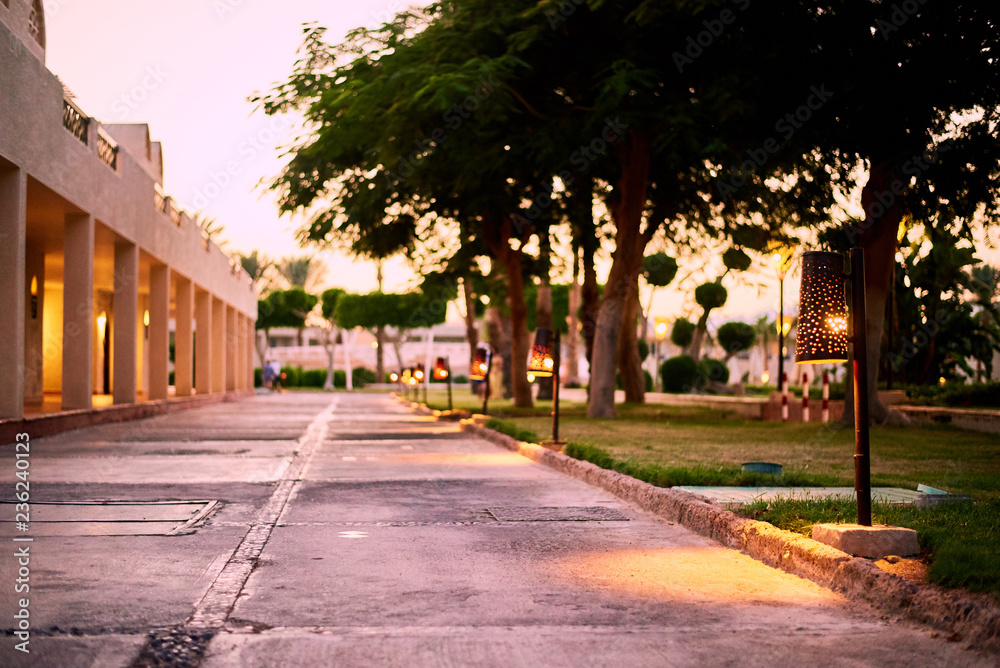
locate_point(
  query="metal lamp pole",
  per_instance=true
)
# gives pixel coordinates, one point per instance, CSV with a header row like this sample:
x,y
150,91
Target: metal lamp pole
x,y
781,331
862,446
448,367
557,355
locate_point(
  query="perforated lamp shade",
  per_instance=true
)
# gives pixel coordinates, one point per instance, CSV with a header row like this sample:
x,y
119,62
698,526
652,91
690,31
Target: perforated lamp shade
x,y
823,322
542,361
441,369
480,364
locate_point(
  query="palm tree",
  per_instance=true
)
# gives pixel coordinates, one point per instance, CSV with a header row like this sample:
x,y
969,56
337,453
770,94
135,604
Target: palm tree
x,y
257,266
210,228
299,272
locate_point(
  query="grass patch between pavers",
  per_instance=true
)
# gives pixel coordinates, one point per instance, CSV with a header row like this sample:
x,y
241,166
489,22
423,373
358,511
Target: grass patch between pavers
x,y
960,541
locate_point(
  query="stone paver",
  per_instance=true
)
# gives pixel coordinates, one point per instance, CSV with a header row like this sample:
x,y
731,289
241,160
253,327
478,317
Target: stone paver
x,y
351,532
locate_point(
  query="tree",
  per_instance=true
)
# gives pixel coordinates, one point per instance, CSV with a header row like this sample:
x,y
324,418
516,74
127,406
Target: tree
x,y
682,333
328,310
257,265
282,308
210,228
300,272
709,297
398,312
736,337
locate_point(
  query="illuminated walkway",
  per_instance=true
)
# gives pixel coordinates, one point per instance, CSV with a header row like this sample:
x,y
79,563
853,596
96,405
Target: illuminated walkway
x,y
342,530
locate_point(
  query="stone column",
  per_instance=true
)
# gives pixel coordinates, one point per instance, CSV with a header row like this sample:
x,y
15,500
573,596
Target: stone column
x,y
78,312
126,323
218,345
159,332
183,319
13,233
241,352
232,349
204,362
251,350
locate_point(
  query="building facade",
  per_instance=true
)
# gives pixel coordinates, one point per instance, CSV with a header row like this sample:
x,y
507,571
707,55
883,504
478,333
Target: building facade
x,y
100,268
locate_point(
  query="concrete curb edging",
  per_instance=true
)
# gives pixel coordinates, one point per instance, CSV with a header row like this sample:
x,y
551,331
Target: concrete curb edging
x,y
974,617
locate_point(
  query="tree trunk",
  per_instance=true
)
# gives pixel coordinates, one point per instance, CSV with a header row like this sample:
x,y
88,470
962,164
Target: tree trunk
x,y
877,236
573,335
589,244
379,356
543,305
623,279
499,242
633,379
698,340
471,331
330,343
263,345
348,369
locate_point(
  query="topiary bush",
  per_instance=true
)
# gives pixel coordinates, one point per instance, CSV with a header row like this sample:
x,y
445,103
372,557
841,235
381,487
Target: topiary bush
x,y
679,374
682,333
643,350
312,378
735,337
712,371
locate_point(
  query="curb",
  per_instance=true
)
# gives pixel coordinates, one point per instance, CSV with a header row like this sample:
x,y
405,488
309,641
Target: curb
x,y
971,617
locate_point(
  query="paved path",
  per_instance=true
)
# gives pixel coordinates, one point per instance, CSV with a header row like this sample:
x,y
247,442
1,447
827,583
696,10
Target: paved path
x,y
350,532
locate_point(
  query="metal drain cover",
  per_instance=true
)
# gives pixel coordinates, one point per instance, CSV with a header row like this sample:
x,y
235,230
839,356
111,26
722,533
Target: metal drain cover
x,y
113,518
556,514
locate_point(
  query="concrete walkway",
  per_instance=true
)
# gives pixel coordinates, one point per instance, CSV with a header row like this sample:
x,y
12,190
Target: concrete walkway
x,y
350,532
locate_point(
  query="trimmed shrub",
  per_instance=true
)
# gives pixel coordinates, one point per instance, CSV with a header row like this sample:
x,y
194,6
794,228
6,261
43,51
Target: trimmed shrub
x,y
683,333
710,370
679,374
312,378
643,350
292,376
258,377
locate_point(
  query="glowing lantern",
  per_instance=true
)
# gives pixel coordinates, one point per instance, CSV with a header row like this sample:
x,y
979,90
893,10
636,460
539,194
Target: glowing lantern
x,y
542,362
822,331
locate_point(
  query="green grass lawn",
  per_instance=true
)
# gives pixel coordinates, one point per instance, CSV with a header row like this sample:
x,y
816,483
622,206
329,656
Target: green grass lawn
x,y
709,446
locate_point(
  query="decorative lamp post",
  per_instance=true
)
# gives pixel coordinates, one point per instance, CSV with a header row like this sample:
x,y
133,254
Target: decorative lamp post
x,y
482,364
782,259
419,376
823,334
442,371
544,363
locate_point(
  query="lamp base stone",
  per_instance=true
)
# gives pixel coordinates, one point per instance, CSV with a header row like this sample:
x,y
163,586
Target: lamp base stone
x,y
869,542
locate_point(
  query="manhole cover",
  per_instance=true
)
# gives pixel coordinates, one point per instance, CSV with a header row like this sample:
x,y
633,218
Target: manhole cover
x,y
113,518
555,514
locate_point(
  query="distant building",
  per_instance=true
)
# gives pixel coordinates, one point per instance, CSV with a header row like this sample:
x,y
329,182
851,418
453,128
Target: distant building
x,y
97,261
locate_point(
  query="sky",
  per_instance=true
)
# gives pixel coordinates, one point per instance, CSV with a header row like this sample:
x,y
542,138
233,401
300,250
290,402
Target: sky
x,y
188,67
